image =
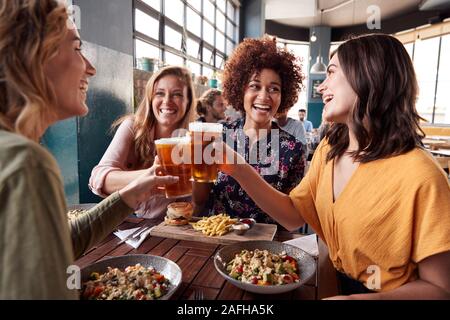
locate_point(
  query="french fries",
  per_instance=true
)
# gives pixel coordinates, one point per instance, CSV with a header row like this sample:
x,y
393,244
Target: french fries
x,y
217,225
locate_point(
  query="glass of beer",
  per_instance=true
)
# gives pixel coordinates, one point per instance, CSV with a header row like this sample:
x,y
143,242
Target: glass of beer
x,y
174,163
204,167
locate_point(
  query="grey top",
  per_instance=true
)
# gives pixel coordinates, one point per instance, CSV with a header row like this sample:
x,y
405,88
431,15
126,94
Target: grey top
x,y
295,128
37,244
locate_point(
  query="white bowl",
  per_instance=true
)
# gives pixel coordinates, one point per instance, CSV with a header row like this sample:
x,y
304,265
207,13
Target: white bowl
x,y
166,267
306,264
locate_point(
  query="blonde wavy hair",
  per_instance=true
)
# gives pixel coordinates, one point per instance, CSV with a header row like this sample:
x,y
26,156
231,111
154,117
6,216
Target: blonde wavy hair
x,y
144,121
30,33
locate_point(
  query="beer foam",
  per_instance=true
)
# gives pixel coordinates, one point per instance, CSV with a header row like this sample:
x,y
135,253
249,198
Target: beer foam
x,y
174,140
205,127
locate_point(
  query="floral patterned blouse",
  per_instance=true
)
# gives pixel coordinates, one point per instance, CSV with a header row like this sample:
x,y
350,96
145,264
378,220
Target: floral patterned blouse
x,y
280,160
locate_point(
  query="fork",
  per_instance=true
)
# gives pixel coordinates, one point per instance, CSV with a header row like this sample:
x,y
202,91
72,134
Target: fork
x,y
135,234
198,295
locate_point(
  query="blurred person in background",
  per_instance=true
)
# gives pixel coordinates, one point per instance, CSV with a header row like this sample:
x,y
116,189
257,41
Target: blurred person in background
x,y
306,123
211,106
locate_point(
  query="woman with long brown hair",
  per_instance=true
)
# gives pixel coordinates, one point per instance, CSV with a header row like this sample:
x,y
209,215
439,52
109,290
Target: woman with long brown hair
x,y
166,107
44,78
379,200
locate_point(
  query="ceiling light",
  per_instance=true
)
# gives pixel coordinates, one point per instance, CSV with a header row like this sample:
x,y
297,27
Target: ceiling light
x,y
319,66
313,37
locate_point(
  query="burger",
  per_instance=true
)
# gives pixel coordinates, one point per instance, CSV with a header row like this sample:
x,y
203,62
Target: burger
x,y
178,213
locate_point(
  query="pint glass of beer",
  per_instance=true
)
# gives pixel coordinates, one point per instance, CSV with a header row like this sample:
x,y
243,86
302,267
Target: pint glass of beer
x,y
170,151
204,167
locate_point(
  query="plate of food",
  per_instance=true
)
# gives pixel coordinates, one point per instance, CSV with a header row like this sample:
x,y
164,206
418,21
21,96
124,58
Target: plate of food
x,y
265,267
131,277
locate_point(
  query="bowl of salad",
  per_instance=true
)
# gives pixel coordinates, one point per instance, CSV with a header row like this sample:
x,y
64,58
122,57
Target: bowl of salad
x,y
130,277
265,267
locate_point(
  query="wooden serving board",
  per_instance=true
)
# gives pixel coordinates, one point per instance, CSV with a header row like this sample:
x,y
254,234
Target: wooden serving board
x,y
259,231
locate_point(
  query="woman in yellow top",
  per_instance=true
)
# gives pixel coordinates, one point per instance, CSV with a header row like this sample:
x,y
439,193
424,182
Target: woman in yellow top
x,y
372,193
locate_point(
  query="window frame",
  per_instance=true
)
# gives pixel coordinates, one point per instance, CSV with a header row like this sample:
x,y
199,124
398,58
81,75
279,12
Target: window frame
x,y
186,34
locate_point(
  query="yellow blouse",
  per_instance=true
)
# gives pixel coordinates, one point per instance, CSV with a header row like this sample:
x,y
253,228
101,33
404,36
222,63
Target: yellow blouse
x,y
392,214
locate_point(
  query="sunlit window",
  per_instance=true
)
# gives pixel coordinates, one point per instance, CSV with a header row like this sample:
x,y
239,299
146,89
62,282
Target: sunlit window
x,y
194,67
208,32
144,49
208,10
432,103
172,37
193,22
199,34
146,24
220,41
207,56
302,52
155,4
442,109
222,5
193,48
197,4
173,59
174,10
425,64
220,21
230,10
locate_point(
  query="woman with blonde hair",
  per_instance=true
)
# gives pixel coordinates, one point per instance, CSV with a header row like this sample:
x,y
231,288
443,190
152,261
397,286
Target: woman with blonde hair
x,y
211,106
166,108
44,78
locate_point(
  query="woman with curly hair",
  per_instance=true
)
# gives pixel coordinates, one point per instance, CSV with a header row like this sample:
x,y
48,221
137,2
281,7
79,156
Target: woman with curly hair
x,y
260,80
167,106
379,201
210,106
44,78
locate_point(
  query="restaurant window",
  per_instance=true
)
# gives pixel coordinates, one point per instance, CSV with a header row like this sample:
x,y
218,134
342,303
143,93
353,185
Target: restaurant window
x,y
144,49
442,107
173,38
300,50
208,10
174,10
196,4
193,48
208,32
200,34
193,22
173,59
147,24
220,21
431,59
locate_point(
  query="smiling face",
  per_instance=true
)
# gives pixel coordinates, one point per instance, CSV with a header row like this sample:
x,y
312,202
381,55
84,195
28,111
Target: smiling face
x,y
337,94
262,98
170,101
69,72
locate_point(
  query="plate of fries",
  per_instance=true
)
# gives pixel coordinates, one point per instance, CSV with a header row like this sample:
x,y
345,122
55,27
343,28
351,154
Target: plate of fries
x,y
213,226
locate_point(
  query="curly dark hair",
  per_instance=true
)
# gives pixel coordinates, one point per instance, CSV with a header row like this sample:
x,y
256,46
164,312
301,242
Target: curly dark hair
x,y
254,55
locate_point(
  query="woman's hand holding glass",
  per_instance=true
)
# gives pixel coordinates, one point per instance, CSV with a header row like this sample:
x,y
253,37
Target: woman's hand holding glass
x,y
146,186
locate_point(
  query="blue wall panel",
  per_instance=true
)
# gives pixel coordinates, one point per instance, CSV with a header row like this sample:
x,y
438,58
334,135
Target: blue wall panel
x,y
110,96
61,141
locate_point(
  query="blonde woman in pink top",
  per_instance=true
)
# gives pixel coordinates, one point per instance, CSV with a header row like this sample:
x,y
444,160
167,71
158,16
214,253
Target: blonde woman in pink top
x,y
167,106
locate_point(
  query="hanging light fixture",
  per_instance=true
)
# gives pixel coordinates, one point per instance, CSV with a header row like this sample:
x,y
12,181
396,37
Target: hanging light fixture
x,y
319,66
313,37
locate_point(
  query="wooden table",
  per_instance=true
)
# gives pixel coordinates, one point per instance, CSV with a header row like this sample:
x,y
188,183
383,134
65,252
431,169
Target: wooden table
x,y
196,262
